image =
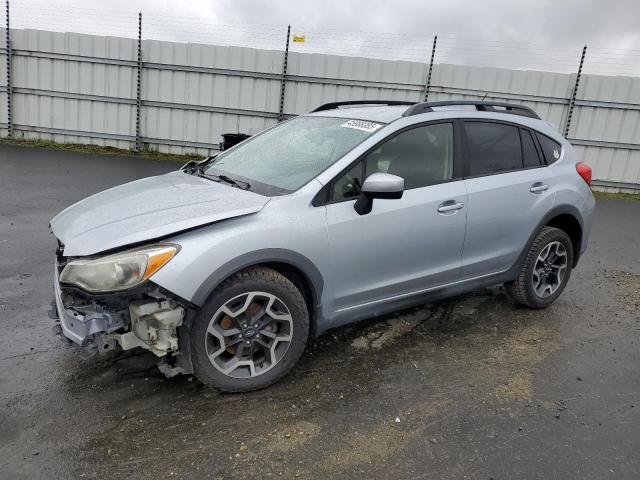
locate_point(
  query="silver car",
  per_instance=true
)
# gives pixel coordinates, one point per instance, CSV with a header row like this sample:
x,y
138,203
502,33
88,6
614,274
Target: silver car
x,y
226,267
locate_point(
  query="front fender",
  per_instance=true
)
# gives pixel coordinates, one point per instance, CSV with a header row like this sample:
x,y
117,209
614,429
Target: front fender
x,y
265,255
211,254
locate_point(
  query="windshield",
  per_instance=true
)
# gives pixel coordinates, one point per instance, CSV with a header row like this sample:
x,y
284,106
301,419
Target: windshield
x,y
292,153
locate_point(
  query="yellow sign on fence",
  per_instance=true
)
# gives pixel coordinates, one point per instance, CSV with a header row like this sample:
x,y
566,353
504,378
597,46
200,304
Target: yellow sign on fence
x,y
298,38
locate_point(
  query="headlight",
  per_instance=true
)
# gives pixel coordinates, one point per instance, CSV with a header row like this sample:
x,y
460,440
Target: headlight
x,y
119,271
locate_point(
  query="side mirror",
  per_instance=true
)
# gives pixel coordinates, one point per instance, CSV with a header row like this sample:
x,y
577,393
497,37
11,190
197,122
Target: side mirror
x,y
378,185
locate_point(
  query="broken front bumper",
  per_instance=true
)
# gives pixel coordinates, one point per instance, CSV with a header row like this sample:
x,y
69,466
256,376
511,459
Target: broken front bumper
x,y
146,318
77,326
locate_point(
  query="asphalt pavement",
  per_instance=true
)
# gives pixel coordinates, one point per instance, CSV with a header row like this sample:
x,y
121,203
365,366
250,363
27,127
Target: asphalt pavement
x,y
472,387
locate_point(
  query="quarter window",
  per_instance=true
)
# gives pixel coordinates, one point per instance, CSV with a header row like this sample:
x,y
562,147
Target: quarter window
x,y
550,148
492,148
348,185
529,150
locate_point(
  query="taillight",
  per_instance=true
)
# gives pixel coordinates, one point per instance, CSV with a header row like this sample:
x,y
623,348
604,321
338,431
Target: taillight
x,y
584,171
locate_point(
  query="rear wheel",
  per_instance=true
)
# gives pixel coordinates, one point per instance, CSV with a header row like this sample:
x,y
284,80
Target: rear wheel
x,y
545,271
250,332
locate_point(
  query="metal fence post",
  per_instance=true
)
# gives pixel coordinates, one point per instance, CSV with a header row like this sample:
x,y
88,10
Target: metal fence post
x,y
283,82
428,84
572,100
9,85
138,85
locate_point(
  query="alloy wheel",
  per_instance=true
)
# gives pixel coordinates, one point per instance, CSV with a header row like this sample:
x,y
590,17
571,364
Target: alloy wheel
x,y
249,334
549,269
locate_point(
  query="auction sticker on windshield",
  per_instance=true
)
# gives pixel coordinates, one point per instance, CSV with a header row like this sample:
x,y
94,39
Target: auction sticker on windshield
x,y
362,125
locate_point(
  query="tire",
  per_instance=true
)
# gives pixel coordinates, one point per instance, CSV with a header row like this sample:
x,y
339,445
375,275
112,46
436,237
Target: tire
x,y
526,289
235,305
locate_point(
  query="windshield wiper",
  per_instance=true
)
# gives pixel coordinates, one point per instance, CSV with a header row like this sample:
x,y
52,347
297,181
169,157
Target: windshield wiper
x,y
197,166
237,183
223,178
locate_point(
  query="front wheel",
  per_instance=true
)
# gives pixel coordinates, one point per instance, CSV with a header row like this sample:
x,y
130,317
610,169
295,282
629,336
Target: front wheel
x,y
545,271
250,332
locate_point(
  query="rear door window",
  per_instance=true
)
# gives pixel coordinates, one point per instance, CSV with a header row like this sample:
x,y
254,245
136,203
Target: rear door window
x,y
492,148
529,151
550,148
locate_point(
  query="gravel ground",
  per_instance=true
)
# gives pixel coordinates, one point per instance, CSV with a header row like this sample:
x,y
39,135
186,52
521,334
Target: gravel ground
x,y
472,387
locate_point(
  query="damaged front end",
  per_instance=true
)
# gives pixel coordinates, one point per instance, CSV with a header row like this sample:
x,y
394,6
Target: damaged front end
x,y
145,316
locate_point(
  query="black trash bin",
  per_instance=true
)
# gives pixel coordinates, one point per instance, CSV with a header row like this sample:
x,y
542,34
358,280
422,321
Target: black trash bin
x,y
231,139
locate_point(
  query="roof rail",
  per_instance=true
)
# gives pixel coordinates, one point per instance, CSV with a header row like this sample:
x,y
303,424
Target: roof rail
x,y
334,105
425,107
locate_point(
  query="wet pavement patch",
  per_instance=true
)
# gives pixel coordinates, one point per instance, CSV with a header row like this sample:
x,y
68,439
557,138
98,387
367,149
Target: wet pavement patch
x,y
471,387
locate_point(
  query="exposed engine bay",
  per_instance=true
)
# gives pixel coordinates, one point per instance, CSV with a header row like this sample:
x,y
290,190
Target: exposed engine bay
x,y
146,317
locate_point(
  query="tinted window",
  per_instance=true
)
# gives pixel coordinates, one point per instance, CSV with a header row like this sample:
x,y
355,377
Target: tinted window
x,y
529,150
550,148
492,148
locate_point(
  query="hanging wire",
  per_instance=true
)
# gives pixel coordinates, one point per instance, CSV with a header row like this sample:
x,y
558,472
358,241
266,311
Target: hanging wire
x,y
451,49
64,18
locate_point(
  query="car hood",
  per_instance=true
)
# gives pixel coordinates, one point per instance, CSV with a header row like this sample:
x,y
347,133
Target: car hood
x,y
148,209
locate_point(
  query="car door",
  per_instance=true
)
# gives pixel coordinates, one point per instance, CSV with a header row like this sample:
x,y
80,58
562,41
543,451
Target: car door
x,y
403,245
508,194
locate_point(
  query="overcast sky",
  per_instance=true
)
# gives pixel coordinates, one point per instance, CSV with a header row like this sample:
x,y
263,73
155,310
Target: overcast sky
x,y
607,23
544,32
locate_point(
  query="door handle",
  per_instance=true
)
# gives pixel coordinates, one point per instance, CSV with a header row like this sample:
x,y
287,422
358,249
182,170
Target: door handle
x,y
539,187
450,206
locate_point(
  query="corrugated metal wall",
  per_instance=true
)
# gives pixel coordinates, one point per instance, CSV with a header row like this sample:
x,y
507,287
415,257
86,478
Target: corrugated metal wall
x,y
78,88
194,93
606,127
3,83
74,88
